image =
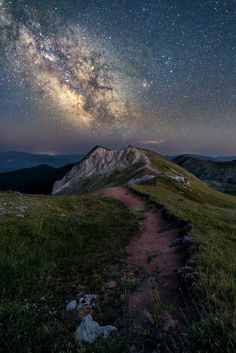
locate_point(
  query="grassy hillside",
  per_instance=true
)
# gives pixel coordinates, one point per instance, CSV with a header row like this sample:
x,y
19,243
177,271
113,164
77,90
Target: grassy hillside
x,y
51,248
219,175
212,265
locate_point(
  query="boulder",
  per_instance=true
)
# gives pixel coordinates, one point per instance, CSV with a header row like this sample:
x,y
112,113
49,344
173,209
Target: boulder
x,y
72,305
186,240
89,330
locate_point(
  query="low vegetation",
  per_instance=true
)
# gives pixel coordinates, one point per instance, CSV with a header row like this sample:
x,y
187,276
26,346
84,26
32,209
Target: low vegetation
x,y
51,248
211,268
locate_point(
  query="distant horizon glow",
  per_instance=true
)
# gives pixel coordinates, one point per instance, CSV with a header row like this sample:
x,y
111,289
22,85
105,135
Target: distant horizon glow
x,y
141,146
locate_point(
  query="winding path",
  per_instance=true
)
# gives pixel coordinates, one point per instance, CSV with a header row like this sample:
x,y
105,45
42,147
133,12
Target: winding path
x,y
158,263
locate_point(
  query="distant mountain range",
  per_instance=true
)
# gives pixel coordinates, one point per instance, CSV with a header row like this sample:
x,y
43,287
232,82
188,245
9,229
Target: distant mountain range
x,y
12,160
42,174
36,180
204,158
220,175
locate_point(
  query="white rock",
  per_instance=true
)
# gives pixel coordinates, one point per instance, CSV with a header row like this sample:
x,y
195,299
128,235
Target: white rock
x,y
89,330
179,179
141,180
71,305
86,300
25,306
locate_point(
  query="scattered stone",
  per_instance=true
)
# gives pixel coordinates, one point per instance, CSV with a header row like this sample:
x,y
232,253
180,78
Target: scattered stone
x,y
185,240
25,307
179,179
110,285
72,305
86,300
29,306
17,193
83,304
13,208
89,330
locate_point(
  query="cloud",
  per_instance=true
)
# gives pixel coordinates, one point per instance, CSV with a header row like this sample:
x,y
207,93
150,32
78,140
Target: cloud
x,y
152,142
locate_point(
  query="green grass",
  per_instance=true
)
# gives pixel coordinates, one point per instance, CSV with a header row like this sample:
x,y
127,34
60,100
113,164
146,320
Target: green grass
x,y
212,266
51,247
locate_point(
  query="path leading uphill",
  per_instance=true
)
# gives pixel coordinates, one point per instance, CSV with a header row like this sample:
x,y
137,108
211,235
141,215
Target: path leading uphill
x,y
149,250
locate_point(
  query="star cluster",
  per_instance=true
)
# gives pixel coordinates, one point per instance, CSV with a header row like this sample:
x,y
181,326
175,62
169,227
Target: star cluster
x,y
152,73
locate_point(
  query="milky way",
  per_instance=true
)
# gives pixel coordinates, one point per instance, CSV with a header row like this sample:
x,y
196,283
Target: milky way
x,y
70,71
158,74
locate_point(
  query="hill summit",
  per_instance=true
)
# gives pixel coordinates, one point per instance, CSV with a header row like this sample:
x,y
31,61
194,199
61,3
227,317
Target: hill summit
x,y
101,163
103,167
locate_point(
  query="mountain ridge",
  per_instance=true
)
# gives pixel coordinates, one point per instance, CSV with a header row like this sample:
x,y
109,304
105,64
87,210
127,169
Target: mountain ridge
x,y
35,180
203,157
220,175
103,167
101,163
15,160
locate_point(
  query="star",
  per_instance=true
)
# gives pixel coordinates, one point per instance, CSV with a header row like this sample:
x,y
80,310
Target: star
x,y
111,72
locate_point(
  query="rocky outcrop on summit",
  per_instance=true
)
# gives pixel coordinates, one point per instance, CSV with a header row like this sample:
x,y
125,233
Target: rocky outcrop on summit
x,y
102,167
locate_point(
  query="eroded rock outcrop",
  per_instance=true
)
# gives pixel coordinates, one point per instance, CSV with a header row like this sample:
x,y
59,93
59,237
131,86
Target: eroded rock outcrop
x,y
99,164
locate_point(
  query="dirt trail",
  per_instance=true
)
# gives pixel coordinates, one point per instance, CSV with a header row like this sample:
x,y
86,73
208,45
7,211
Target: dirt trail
x,y
149,250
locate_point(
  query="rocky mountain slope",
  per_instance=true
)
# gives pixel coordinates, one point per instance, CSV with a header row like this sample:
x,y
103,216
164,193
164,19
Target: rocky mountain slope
x,y
103,167
220,175
98,165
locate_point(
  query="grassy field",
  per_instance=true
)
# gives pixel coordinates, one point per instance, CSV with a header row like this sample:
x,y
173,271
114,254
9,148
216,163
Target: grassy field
x,y
53,247
212,265
50,249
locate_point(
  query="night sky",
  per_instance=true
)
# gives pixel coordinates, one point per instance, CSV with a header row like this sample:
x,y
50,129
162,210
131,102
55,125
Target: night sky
x,y
158,74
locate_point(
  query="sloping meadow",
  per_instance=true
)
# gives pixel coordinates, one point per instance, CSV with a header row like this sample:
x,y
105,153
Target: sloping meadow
x,y
50,249
210,272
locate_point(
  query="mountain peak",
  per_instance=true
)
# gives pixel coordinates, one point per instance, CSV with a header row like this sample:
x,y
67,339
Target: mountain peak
x,y
100,163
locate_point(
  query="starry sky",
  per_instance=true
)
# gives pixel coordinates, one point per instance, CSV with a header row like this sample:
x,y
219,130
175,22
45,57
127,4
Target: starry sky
x,y
159,74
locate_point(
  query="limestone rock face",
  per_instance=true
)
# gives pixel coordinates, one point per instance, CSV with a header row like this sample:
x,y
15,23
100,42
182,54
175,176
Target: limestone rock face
x,y
98,165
